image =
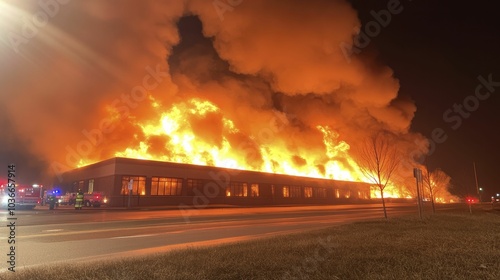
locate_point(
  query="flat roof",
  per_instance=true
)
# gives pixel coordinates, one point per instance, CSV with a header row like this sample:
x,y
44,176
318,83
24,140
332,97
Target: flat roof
x,y
122,160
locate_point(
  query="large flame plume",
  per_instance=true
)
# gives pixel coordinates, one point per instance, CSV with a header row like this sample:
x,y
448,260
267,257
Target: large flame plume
x,y
185,133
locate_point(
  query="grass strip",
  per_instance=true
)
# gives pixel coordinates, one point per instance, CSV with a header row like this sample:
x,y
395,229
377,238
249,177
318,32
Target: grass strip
x,y
442,246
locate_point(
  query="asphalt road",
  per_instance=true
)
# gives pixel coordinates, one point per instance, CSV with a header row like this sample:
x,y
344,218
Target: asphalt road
x,y
46,236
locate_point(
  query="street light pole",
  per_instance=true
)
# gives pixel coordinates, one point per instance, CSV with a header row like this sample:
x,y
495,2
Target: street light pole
x,y
477,185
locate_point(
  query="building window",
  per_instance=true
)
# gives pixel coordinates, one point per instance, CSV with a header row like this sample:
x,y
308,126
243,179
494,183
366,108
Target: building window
x,y
166,186
138,185
237,189
320,192
91,186
362,195
194,184
286,191
254,190
294,191
80,185
337,193
366,195
347,194
308,192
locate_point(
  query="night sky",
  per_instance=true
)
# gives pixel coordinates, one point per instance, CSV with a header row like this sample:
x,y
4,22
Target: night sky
x,y
437,50
92,52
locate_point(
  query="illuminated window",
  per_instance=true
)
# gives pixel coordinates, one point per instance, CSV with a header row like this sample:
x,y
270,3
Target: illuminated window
x,y
166,186
254,190
308,192
138,185
337,193
194,184
237,189
347,194
363,195
366,195
286,191
80,185
91,186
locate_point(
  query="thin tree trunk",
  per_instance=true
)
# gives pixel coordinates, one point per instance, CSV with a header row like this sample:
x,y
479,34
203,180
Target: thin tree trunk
x,y
432,203
383,202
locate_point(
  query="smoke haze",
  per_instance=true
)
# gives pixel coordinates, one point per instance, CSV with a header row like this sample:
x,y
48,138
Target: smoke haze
x,y
272,74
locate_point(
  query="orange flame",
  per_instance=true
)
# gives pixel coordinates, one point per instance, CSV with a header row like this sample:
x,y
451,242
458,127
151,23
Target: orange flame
x,y
182,145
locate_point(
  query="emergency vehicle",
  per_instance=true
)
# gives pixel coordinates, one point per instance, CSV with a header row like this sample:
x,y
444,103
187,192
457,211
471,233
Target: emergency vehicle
x,y
53,192
95,199
26,197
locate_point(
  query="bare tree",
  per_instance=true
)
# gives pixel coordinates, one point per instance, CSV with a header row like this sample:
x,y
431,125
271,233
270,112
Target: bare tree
x,y
407,184
378,161
436,182
441,182
428,182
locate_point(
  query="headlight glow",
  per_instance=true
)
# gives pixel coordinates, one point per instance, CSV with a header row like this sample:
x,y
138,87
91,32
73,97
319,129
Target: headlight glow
x,y
5,199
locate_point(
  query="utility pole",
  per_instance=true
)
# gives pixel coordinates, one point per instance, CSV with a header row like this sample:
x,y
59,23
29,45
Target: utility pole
x,y
477,185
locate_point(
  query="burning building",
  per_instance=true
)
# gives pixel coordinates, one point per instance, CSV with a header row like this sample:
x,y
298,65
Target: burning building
x,y
264,86
155,183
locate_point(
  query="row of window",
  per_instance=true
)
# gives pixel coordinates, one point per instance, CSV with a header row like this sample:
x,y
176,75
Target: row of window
x,y
241,189
80,185
164,186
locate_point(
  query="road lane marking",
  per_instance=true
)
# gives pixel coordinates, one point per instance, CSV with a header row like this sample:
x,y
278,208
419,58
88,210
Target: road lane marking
x,y
178,231
196,227
53,230
133,236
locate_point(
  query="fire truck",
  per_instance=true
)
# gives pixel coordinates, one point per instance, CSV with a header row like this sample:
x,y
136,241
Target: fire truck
x,y
95,199
26,197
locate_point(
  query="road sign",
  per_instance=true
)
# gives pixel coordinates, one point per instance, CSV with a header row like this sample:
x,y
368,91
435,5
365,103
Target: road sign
x,y
417,173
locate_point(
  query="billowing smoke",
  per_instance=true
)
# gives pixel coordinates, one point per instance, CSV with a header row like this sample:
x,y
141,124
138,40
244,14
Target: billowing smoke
x,y
92,82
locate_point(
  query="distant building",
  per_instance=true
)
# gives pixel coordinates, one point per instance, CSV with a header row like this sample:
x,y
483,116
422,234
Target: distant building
x,y
156,183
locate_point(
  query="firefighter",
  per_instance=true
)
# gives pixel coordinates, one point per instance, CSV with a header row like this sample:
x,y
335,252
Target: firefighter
x,y
79,200
52,201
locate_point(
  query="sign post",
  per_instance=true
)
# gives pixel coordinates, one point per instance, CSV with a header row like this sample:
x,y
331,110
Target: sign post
x,y
417,173
130,187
